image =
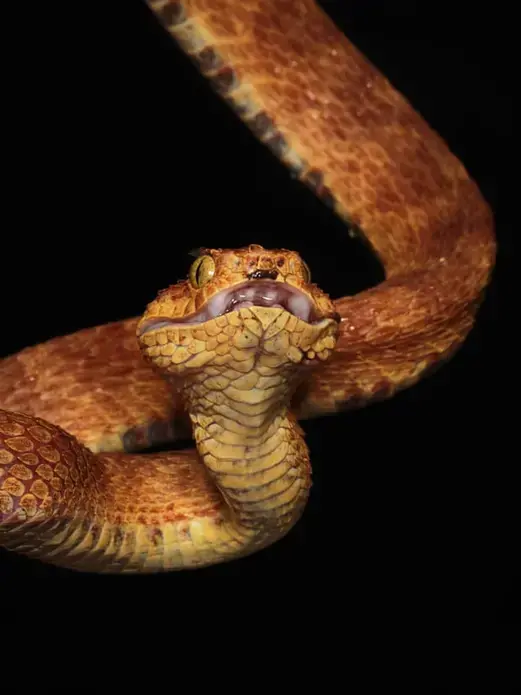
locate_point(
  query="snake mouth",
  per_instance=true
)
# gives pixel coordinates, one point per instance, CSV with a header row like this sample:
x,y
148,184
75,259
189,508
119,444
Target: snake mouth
x,y
258,293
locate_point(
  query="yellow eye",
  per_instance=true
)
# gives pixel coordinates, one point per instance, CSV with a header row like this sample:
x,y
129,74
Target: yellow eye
x,y
306,272
202,271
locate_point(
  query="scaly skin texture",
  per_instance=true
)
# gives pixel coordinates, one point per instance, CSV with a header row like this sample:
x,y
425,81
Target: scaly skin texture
x,y
73,406
234,375
342,128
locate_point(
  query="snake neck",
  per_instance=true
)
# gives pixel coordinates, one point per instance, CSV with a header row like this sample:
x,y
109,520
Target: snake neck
x,y
251,445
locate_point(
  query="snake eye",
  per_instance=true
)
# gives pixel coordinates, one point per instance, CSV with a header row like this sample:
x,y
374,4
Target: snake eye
x,y
202,271
306,272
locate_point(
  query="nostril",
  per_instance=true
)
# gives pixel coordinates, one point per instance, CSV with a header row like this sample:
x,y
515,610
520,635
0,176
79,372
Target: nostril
x,y
260,274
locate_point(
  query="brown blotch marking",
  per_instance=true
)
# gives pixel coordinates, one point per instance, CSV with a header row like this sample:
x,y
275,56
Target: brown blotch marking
x,y
224,81
171,14
119,537
184,531
19,444
208,60
156,537
136,438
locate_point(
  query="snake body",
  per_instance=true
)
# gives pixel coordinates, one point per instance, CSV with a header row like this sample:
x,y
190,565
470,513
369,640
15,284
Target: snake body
x,y
247,345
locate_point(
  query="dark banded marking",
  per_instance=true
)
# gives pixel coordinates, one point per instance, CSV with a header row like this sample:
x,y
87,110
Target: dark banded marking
x,y
156,433
277,143
117,540
171,14
250,519
135,439
208,60
314,180
156,539
95,532
224,81
262,125
328,198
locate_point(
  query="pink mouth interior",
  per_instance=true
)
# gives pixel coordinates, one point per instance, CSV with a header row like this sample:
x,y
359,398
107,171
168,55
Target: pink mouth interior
x,y
266,293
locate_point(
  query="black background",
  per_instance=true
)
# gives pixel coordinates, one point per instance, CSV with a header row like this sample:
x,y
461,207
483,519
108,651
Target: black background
x,y
118,159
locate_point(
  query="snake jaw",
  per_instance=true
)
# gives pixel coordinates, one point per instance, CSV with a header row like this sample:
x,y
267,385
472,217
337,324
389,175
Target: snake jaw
x,y
258,293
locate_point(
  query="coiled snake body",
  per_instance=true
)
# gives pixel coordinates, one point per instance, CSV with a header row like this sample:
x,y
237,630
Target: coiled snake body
x,y
246,345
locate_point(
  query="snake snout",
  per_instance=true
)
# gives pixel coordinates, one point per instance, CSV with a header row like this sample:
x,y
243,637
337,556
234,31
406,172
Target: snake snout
x,y
263,274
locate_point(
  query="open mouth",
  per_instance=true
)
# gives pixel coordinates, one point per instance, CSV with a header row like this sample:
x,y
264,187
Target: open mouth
x,y
266,293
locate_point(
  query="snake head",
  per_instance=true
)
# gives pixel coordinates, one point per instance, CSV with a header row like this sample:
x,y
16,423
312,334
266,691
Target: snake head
x,y
236,308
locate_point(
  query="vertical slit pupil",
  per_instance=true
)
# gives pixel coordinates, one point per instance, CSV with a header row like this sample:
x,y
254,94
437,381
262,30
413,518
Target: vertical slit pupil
x,y
198,271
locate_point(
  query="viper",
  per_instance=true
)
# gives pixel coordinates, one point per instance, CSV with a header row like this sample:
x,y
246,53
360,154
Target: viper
x,y
247,345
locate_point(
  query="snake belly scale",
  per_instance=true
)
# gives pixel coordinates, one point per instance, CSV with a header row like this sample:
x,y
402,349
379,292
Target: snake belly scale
x,y
247,345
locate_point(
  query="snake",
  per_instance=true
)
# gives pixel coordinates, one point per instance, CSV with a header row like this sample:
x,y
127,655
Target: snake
x,y
246,346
